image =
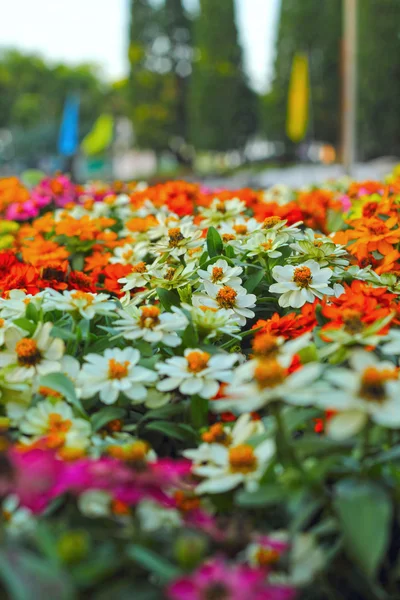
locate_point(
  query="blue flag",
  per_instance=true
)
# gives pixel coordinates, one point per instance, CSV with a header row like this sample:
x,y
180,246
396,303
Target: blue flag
x,y
68,141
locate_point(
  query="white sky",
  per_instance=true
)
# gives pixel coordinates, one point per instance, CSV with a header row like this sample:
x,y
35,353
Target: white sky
x,y
96,31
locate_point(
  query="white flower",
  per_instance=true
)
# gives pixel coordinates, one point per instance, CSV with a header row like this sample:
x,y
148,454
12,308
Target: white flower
x,y
391,343
196,372
258,382
85,303
113,373
153,516
55,421
235,299
180,239
38,355
6,326
230,467
95,503
138,277
171,276
244,428
370,390
18,520
300,284
149,324
280,193
15,305
211,322
130,253
221,212
265,242
220,273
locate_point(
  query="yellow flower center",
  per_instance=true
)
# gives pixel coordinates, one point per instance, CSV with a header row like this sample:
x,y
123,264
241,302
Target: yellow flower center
x,y
269,373
149,317
226,297
28,352
373,382
240,229
170,274
216,435
2,322
302,276
242,459
271,222
217,274
128,254
46,391
267,245
85,296
140,267
117,370
135,452
208,308
197,361
58,427
175,236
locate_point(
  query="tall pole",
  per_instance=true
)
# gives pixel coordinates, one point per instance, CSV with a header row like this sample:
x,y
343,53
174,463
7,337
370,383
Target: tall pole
x,y
349,84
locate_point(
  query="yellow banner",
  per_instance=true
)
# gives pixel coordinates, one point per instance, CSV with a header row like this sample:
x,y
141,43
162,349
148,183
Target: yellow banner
x,y
298,100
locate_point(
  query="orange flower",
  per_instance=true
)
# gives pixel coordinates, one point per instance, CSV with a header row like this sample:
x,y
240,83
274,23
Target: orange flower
x,y
40,252
373,234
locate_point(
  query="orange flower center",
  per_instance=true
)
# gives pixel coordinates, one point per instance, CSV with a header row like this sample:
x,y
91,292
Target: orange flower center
x,y
197,361
269,374
265,345
217,274
175,236
377,227
228,237
28,352
226,297
208,308
128,254
117,370
58,427
46,391
302,277
216,435
140,267
267,245
242,459
149,317
267,556
135,452
373,383
240,229
2,322
271,221
78,295
352,320
170,274
186,502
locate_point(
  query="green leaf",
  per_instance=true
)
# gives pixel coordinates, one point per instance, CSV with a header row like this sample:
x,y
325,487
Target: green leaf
x,y
172,430
199,411
25,324
63,334
168,298
152,562
190,336
253,280
214,242
164,412
32,312
62,384
365,512
266,495
105,415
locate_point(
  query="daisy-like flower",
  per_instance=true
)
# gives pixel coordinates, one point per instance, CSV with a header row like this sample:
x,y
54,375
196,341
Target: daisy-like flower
x,y
14,306
222,434
265,243
179,240
300,284
321,249
116,371
196,372
171,276
17,519
138,277
370,390
54,424
130,253
6,325
211,322
233,466
30,356
258,382
149,324
221,212
86,304
235,299
220,273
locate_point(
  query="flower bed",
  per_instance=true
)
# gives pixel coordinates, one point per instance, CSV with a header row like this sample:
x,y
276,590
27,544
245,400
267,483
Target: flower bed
x,y
200,391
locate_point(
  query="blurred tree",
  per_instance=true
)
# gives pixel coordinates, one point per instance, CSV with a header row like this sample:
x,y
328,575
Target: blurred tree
x,y
222,108
304,27
160,56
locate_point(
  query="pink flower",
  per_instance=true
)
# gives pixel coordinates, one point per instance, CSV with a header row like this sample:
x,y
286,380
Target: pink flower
x,y
21,211
217,580
346,202
59,190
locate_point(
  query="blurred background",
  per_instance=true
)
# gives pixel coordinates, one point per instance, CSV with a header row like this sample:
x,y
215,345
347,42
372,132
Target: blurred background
x,y
227,91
